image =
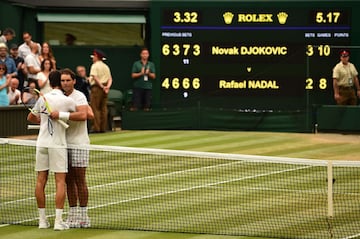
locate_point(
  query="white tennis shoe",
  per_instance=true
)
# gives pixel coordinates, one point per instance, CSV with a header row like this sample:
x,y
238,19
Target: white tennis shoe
x,y
60,225
73,221
84,221
44,224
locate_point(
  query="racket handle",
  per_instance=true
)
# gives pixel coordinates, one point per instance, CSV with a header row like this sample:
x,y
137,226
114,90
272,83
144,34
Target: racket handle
x,y
63,124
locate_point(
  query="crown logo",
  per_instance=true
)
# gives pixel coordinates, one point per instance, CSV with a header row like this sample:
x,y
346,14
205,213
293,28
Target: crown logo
x,y
228,17
282,17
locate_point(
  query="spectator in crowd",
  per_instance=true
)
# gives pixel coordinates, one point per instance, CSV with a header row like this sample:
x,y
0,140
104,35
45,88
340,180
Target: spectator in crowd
x,y
82,82
7,35
345,79
143,73
100,81
29,96
14,94
32,62
20,66
25,49
47,53
4,83
8,61
70,39
43,76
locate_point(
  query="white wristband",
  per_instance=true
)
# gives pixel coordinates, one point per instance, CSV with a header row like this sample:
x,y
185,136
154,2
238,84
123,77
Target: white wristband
x,y
64,116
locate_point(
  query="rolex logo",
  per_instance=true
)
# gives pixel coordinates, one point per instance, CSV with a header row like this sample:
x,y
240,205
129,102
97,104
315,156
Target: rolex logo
x,y
282,17
228,17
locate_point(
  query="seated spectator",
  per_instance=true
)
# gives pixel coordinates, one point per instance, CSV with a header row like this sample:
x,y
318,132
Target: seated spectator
x,y
14,94
30,97
82,81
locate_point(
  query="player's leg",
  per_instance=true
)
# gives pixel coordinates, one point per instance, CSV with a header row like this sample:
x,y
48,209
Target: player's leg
x,y
42,167
59,165
60,196
72,195
40,198
80,163
71,189
82,186
83,196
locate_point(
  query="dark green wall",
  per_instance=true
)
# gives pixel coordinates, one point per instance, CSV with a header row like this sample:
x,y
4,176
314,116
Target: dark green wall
x,y
119,59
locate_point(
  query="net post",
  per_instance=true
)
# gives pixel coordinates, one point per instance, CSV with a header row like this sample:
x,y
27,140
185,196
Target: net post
x,y
330,189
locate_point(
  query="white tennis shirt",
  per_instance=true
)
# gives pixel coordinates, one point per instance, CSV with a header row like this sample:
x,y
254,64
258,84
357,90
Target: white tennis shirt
x,y
57,102
77,133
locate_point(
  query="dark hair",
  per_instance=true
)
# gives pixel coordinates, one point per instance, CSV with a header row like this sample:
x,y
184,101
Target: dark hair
x,y
67,71
42,66
54,78
4,65
144,49
51,54
9,31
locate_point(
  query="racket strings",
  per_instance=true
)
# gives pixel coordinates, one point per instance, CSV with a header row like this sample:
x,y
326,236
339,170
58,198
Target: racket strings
x,y
50,126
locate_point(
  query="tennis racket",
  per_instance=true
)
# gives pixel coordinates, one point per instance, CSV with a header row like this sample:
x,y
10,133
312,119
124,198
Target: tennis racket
x,y
48,108
30,102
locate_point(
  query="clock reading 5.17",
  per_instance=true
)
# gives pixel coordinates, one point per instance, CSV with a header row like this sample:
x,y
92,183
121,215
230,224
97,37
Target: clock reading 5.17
x,y
330,17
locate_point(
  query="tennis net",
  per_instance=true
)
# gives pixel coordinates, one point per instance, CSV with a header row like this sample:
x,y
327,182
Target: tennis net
x,y
196,192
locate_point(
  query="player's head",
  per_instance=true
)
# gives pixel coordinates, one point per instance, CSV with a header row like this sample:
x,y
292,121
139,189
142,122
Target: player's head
x,y
54,79
68,80
67,71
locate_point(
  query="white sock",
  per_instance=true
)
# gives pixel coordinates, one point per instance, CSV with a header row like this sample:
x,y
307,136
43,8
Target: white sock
x,y
83,211
73,210
42,214
59,214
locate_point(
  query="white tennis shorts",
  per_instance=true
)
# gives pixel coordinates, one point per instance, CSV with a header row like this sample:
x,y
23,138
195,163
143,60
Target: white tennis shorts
x,y
52,159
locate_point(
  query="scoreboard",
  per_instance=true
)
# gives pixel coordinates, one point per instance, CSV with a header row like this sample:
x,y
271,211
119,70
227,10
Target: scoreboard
x,y
231,54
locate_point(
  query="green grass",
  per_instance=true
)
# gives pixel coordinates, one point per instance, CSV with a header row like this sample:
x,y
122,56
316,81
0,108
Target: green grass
x,y
309,146
322,146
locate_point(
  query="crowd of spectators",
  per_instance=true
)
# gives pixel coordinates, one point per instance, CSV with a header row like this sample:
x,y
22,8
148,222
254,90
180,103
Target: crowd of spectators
x,y
26,66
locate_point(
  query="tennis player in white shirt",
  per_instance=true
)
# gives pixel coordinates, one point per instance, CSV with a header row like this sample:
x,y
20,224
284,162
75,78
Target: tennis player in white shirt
x,y
78,139
51,150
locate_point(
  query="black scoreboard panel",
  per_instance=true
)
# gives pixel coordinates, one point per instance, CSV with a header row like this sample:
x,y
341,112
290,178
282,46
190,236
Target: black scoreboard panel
x,y
278,56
